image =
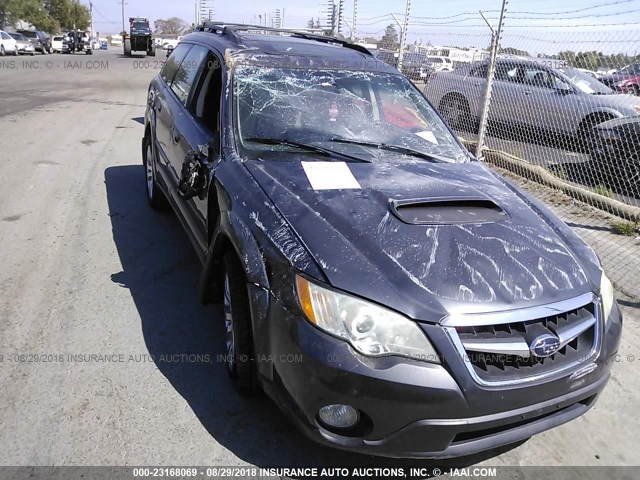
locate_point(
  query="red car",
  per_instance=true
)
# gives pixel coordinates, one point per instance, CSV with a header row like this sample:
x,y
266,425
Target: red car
x,y
625,80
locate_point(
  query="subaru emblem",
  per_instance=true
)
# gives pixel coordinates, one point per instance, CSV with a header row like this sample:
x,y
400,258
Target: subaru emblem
x,y
544,345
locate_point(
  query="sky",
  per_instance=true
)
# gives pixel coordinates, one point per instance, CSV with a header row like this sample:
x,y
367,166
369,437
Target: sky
x,y
537,26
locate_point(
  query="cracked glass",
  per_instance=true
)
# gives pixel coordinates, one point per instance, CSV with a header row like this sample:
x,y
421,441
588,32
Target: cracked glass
x,y
373,116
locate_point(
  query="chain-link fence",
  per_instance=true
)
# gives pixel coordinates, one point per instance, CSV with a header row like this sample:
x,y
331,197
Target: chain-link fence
x,y
562,117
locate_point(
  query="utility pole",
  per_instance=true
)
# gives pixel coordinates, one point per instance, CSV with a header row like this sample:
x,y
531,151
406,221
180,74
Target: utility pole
x,y
403,35
495,45
355,20
123,30
91,17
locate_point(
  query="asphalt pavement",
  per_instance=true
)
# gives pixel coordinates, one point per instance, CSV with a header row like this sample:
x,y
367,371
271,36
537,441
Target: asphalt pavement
x,y
107,357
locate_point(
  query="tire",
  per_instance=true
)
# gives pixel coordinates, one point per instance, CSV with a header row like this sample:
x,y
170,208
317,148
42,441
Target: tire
x,y
2,52
152,51
127,47
586,136
155,196
456,112
238,331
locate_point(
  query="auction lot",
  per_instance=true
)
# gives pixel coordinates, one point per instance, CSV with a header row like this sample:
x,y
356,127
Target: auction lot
x,y
102,337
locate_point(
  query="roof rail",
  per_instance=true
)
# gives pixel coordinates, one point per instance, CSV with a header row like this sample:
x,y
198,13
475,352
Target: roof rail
x,y
230,29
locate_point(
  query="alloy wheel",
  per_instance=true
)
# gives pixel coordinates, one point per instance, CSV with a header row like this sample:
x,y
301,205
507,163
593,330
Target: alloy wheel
x,y
228,323
149,166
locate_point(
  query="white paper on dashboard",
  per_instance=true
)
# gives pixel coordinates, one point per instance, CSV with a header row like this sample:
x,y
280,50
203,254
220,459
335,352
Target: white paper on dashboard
x,y
329,175
428,136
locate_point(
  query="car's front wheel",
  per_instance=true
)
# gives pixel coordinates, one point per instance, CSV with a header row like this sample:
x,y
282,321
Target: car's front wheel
x,y
155,196
238,331
2,52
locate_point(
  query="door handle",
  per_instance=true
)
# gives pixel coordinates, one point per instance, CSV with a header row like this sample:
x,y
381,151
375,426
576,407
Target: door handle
x,y
528,92
175,135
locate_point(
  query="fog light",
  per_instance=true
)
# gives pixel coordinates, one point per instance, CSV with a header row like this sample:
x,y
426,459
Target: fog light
x,y
339,416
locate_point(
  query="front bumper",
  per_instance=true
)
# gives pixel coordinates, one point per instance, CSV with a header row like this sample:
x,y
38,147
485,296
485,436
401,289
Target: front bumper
x,y
409,408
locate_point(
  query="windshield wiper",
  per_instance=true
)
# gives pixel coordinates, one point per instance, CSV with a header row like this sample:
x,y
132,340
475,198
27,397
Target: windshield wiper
x,y
394,148
304,146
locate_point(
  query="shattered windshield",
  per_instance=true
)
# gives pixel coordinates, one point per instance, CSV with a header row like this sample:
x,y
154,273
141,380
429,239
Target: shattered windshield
x,y
371,116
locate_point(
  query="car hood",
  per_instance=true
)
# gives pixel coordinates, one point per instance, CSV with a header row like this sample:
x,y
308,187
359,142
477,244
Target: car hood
x,y
623,102
522,257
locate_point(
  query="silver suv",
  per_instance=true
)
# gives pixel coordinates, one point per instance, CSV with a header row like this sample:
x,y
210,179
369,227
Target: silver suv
x,y
535,93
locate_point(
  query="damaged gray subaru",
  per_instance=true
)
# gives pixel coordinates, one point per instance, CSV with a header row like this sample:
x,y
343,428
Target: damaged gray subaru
x,y
391,293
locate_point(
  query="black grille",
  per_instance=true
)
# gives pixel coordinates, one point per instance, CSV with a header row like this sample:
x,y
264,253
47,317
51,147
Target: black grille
x,y
472,435
502,367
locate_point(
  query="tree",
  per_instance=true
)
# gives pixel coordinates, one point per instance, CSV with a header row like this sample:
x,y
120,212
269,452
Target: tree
x,y
389,40
514,51
171,26
11,11
50,15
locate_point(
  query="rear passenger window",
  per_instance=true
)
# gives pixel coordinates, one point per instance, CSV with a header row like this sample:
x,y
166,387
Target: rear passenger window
x,y
186,74
173,63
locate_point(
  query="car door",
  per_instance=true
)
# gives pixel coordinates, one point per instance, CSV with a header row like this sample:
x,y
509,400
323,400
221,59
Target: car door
x,y
507,107
165,108
198,86
7,42
547,99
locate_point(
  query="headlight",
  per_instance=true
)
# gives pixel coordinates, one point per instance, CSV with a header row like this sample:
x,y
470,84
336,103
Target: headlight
x,y
372,330
607,295
620,84
636,108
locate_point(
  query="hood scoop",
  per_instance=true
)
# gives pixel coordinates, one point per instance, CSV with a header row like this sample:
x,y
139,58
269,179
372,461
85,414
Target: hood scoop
x,y
447,211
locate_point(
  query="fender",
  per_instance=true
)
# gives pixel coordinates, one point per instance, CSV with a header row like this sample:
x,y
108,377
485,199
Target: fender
x,y
231,231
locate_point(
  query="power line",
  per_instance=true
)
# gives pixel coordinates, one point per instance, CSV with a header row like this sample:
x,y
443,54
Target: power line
x,y
614,14
617,2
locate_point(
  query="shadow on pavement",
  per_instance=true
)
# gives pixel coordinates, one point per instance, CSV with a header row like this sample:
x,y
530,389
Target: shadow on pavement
x,y
161,271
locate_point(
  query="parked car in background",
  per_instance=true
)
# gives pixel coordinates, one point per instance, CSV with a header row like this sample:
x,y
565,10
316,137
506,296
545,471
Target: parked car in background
x,y
104,45
440,64
537,94
40,40
170,42
8,44
56,43
415,66
625,80
433,309
24,46
615,157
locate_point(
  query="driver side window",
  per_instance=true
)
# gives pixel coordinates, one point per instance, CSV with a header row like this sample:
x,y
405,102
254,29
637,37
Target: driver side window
x,y
207,104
